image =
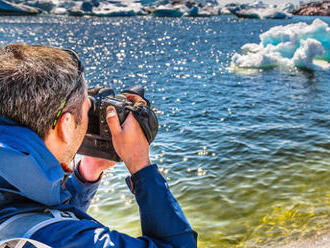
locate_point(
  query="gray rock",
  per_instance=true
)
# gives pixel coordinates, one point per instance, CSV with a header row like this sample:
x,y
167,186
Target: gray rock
x,y
321,8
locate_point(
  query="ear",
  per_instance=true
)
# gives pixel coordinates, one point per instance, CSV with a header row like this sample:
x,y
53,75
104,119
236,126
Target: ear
x,y
64,127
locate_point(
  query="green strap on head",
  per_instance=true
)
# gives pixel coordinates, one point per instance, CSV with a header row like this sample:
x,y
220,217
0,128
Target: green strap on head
x,y
59,113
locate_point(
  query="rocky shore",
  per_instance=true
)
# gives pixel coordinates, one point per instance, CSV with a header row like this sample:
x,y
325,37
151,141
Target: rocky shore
x,y
321,8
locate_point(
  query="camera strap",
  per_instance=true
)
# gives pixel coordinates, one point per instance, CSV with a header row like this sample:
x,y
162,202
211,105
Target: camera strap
x,y
24,225
20,243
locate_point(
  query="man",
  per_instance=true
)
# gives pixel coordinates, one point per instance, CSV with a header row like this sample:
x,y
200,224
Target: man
x,y
43,120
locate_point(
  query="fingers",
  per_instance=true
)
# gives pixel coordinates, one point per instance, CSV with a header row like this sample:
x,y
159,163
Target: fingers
x,y
129,121
132,124
113,121
136,99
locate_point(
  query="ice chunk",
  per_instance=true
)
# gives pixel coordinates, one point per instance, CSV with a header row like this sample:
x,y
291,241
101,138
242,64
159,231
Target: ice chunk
x,y
293,45
258,10
59,11
168,11
262,13
9,8
308,50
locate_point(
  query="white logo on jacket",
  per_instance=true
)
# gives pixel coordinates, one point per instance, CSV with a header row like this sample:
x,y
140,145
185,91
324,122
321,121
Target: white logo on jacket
x,y
100,235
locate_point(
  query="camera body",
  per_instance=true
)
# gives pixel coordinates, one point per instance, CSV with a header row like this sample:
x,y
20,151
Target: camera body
x,y
98,139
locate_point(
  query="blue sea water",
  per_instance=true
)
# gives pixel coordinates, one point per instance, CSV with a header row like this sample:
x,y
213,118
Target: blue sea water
x,y
246,153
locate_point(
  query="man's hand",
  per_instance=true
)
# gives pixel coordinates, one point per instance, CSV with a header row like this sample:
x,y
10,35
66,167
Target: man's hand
x,y
129,140
91,168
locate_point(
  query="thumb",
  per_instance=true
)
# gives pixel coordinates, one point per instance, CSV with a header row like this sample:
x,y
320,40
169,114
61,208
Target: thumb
x,y
113,121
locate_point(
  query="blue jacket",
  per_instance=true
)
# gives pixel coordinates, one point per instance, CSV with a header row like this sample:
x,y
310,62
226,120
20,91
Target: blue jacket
x,y
31,179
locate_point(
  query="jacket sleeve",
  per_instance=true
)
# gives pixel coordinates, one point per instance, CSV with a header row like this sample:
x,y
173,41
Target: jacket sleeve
x,y
87,233
82,192
163,222
161,216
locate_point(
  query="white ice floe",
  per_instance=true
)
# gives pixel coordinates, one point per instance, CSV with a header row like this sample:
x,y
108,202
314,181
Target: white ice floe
x,y
59,11
294,45
113,10
169,10
184,9
262,13
259,10
9,8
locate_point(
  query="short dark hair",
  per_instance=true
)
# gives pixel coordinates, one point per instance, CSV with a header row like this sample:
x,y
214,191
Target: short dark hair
x,y
34,81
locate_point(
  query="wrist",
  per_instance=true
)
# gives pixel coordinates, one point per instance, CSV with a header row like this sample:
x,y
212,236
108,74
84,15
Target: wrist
x,y
135,166
145,175
81,179
88,174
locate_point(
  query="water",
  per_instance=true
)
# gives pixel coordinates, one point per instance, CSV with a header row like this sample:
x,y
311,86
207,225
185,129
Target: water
x,y
245,153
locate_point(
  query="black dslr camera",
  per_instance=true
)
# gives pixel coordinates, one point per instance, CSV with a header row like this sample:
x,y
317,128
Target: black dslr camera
x,y
98,141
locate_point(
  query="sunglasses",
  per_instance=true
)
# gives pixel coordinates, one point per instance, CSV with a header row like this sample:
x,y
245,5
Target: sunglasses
x,y
80,66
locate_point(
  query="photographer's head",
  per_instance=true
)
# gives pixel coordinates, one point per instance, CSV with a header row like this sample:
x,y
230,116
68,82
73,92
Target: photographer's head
x,y
43,89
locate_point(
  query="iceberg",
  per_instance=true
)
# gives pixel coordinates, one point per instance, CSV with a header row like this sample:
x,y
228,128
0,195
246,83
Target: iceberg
x,y
45,5
259,10
295,45
113,9
8,8
59,11
119,8
288,7
168,11
210,10
159,8
262,14
178,8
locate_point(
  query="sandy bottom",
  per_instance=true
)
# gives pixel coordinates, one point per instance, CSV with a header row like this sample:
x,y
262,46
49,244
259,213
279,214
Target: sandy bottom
x,y
317,241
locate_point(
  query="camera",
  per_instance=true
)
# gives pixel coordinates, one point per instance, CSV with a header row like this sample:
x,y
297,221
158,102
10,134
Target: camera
x,y
98,140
